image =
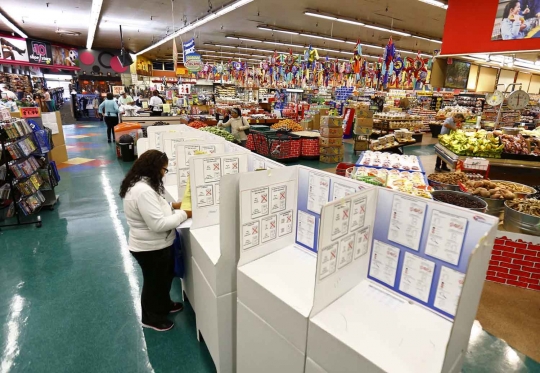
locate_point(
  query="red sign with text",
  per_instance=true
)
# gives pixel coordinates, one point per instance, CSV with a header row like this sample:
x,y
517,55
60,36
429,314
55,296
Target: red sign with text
x,y
30,112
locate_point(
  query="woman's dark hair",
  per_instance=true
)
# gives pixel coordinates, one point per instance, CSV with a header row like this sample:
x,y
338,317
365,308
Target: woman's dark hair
x,y
511,5
149,165
110,96
155,93
237,111
459,116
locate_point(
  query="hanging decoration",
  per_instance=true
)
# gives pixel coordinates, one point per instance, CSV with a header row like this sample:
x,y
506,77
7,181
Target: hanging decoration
x,y
387,62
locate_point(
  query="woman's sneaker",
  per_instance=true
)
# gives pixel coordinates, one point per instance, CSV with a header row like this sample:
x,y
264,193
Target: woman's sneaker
x,y
160,327
176,307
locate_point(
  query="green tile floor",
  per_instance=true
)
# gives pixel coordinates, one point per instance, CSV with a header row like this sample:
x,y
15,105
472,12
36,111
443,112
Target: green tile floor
x,y
69,292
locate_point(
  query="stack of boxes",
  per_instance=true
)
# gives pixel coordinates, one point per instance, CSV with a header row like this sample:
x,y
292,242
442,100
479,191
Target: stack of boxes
x,y
363,128
331,141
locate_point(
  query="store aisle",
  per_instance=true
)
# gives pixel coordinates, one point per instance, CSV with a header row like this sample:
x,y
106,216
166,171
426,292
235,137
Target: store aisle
x,y
69,292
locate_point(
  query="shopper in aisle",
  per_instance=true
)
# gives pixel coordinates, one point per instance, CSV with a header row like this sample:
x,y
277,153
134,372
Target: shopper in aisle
x,y
109,110
450,124
152,223
239,125
95,105
155,104
125,99
47,99
139,101
512,26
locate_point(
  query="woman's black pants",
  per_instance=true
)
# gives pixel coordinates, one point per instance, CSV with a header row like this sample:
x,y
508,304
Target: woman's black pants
x,y
158,273
111,122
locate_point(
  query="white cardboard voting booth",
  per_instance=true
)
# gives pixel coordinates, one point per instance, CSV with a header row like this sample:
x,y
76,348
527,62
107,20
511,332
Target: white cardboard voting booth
x,y
279,223
215,243
405,298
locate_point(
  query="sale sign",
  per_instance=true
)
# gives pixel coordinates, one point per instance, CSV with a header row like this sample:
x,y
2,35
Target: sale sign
x,y
39,52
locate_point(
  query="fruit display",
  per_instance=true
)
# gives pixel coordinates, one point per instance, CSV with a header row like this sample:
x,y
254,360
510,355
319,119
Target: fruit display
x,y
533,133
490,189
459,199
197,124
478,144
391,161
287,125
525,206
451,178
219,132
520,145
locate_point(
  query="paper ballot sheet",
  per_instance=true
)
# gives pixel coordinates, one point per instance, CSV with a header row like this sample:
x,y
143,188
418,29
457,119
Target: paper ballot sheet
x,y
449,290
384,262
267,213
407,221
446,236
318,192
416,276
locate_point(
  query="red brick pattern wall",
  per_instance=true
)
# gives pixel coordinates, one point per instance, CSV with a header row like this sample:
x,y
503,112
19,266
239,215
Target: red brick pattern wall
x,y
515,263
310,147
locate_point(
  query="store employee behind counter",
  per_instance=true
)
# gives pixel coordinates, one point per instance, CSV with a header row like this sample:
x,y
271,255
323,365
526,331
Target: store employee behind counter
x,y
152,231
450,124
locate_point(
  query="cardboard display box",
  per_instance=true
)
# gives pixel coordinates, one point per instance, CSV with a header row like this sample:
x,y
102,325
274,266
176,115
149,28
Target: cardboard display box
x,y
331,158
364,122
361,145
323,112
359,130
331,122
330,141
331,132
58,139
364,113
307,124
331,150
58,154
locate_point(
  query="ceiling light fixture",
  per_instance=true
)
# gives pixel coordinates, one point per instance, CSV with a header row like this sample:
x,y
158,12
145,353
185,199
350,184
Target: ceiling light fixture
x,y
319,15
94,18
354,22
437,3
266,28
12,26
387,30
426,39
224,10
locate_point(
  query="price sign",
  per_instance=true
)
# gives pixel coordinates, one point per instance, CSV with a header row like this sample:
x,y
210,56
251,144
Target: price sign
x,y
30,112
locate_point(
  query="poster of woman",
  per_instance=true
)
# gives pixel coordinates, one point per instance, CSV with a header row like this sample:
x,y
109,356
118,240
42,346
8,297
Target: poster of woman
x,y
517,19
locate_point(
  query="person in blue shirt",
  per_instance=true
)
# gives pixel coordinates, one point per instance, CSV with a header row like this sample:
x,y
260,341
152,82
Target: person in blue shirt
x,y
450,124
531,9
513,25
109,110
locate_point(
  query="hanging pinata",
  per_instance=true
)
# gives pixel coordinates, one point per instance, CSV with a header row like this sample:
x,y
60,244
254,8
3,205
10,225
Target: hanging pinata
x,y
398,68
357,59
387,63
310,56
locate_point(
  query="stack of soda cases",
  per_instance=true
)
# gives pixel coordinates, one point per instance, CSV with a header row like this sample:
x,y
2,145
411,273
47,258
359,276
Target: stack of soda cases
x,y
331,141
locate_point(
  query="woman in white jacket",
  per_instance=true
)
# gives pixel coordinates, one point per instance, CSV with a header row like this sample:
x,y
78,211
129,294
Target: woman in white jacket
x,y
238,125
152,223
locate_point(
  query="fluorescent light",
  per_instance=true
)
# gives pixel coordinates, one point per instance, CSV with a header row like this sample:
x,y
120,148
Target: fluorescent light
x,y
12,26
225,46
436,41
199,22
435,3
371,46
426,39
285,44
277,30
320,16
387,30
350,22
94,18
253,40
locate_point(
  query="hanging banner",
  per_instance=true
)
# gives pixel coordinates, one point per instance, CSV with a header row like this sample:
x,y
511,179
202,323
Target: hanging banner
x,y
39,52
189,48
13,49
193,62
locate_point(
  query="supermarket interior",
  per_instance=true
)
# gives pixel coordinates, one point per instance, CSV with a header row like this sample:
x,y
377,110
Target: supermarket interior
x,y
270,186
